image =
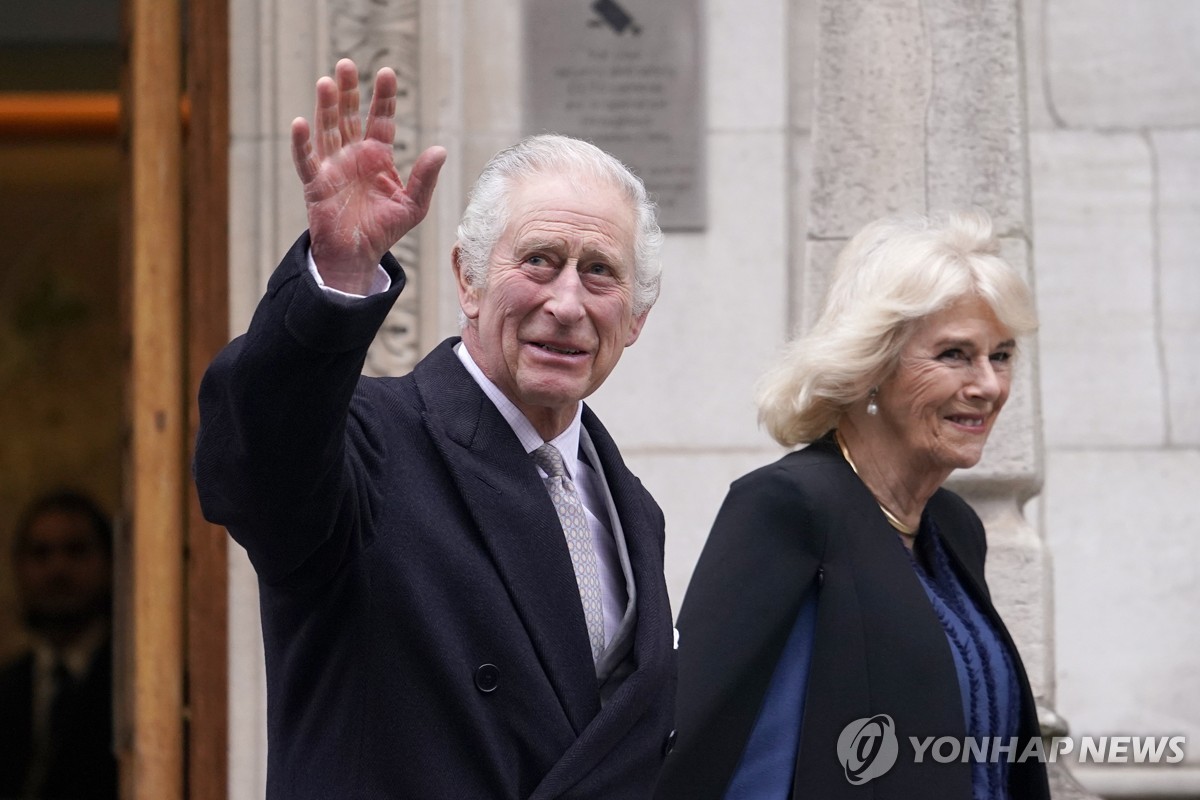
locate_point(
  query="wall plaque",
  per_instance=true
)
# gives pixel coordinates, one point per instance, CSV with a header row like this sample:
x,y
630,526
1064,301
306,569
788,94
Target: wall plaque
x,y
624,74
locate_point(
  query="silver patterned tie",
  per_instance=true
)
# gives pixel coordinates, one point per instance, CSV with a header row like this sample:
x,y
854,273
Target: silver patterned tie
x,y
579,541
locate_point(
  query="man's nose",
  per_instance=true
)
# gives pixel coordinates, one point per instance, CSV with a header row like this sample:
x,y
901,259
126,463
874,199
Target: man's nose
x,y
566,295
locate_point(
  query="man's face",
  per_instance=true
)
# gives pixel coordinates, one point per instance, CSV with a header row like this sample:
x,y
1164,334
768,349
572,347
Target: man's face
x,y
557,309
63,572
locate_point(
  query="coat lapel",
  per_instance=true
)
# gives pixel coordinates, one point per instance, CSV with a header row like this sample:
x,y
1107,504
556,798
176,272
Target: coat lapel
x,y
652,640
865,662
517,523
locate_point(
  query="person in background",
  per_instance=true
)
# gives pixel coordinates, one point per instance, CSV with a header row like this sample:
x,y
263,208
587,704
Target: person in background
x,y
56,740
839,606
461,583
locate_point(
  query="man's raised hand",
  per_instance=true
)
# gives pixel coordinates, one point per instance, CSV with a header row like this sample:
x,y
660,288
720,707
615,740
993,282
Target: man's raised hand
x,y
357,205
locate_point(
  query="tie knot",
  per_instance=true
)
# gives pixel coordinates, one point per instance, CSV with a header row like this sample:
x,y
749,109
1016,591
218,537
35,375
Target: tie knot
x,y
550,460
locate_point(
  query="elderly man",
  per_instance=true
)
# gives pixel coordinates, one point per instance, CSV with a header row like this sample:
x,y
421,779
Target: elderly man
x,y
461,582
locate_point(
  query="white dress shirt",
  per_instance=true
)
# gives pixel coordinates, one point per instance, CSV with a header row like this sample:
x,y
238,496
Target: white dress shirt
x,y
76,658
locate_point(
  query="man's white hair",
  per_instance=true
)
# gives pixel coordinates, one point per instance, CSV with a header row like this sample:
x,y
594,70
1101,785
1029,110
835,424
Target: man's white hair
x,y
486,214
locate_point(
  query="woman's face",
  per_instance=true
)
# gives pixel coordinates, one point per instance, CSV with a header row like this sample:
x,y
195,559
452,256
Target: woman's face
x,y
952,380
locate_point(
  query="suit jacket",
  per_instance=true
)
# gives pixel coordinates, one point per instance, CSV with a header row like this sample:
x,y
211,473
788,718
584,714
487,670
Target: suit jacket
x,y
807,527
423,630
82,766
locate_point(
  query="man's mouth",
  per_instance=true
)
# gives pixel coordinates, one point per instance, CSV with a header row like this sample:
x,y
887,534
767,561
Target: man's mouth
x,y
566,351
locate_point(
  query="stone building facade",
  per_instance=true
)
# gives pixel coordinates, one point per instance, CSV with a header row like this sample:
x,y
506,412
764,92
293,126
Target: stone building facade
x,y
1092,115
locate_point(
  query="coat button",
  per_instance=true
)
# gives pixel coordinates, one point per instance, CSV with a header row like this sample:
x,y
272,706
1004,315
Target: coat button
x,y
669,744
820,577
487,678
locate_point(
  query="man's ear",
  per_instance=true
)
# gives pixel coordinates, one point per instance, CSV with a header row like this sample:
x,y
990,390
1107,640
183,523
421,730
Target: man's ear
x,y
468,295
635,327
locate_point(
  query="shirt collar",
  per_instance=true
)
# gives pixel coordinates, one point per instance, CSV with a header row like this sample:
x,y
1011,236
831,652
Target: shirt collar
x,y
566,442
77,656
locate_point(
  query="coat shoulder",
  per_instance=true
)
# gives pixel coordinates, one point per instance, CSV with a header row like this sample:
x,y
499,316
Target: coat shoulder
x,y
958,524
809,486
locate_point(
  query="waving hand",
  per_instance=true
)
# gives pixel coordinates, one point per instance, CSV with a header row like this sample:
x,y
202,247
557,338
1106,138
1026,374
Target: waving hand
x,y
358,207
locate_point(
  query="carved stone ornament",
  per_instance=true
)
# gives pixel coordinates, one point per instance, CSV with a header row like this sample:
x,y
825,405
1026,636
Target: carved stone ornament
x,y
376,34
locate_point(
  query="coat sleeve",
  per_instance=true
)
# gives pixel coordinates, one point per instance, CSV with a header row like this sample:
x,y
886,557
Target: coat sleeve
x,y
277,458
758,566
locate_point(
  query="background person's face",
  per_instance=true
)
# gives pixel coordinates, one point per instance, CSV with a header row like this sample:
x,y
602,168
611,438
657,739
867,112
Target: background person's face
x,y
557,310
63,572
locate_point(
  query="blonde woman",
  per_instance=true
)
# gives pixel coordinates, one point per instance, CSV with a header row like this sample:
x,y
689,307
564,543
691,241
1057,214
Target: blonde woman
x,y
839,611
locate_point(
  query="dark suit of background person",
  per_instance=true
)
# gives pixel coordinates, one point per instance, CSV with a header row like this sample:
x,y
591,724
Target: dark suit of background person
x,y
422,622
56,725
807,611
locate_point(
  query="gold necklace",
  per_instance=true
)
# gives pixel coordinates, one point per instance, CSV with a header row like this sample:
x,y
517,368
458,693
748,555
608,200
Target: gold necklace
x,y
892,519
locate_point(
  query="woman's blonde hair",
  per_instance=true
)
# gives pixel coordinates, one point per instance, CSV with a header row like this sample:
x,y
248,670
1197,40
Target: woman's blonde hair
x,y
893,273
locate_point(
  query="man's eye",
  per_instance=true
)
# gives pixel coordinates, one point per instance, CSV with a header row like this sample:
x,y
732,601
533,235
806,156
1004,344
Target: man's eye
x,y
1002,357
598,269
537,261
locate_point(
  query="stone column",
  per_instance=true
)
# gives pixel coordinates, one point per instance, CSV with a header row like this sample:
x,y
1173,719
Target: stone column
x,y
277,52
386,34
919,106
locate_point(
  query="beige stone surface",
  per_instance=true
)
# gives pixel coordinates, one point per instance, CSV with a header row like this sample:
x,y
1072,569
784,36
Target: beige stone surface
x,y
491,88
745,64
802,18
1128,584
1177,160
1094,251
869,135
976,152
690,485
1039,103
798,197
1114,64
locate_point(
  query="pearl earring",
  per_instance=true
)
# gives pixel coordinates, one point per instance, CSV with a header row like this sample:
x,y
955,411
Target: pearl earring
x,y
872,406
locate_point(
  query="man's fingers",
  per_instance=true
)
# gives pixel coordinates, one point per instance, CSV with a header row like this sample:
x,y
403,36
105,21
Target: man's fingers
x,y
381,123
424,175
303,157
347,82
328,134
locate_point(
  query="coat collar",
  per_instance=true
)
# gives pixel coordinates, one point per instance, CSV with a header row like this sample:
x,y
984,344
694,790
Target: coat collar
x,y
518,526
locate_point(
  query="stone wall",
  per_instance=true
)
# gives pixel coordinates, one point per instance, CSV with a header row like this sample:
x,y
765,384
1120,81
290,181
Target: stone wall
x,y
1114,110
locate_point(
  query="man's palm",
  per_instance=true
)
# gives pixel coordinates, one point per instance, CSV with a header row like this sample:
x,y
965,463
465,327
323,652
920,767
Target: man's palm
x,y
358,207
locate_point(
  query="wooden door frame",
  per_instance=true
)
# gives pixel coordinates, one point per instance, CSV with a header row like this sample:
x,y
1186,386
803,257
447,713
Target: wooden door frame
x,y
149,633
207,331
172,696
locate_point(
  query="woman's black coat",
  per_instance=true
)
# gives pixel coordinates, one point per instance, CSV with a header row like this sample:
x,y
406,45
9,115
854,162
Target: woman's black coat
x,y
808,524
